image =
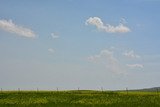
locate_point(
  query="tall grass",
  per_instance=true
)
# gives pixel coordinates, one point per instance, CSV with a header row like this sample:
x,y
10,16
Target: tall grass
x,y
78,99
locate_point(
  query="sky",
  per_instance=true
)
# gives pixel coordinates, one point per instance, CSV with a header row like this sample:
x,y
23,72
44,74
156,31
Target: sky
x,y
85,44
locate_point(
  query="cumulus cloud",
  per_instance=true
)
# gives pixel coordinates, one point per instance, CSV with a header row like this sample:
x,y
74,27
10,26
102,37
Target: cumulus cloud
x,y
9,26
135,65
112,60
51,50
96,21
103,54
107,58
131,54
54,35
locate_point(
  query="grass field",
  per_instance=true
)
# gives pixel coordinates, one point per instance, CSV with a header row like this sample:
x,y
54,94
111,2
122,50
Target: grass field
x,y
78,99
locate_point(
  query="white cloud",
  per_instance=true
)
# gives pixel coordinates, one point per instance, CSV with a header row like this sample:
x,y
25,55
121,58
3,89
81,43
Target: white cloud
x,y
103,54
131,54
54,35
9,26
113,61
96,21
135,65
51,50
107,58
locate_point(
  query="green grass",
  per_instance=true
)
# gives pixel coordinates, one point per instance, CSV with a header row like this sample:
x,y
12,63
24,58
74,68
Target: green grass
x,y
78,99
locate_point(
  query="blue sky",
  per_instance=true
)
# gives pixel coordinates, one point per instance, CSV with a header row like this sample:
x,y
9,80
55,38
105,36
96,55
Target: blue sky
x,y
79,43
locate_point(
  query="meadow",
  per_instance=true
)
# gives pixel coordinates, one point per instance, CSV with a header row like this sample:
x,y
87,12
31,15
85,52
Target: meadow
x,y
79,98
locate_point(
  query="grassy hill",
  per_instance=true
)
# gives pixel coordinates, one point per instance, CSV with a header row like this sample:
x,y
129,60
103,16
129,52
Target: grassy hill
x,y
154,89
151,89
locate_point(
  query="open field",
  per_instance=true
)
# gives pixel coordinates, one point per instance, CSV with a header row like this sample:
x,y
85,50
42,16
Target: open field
x,y
81,98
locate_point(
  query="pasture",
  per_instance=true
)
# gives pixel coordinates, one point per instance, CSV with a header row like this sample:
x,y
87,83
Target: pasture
x,y
79,98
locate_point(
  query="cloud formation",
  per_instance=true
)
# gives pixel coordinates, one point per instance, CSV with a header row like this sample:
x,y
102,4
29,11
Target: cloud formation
x,y
96,21
9,26
51,50
114,62
107,58
131,54
135,65
54,35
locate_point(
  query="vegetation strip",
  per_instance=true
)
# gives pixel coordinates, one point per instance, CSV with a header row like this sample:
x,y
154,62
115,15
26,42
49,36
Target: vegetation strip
x,y
80,98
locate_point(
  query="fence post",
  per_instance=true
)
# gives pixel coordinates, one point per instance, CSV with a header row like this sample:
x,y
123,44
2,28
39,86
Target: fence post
x,y
157,90
78,90
102,89
18,89
127,90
